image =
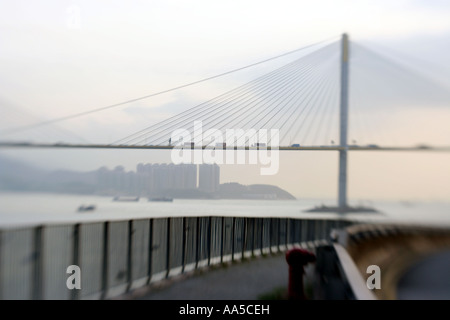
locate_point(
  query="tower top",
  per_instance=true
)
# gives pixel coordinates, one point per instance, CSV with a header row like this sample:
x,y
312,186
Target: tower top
x,y
345,48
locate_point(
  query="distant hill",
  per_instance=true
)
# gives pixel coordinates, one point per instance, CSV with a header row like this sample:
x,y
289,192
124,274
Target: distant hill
x,y
236,190
231,190
184,194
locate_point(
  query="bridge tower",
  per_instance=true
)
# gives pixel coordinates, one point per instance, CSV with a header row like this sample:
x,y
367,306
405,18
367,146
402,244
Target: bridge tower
x,y
342,197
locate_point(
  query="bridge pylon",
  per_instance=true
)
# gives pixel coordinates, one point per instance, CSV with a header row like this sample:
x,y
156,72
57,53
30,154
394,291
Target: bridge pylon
x,y
342,190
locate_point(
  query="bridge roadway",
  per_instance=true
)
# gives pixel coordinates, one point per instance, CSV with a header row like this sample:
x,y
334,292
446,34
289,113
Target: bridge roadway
x,y
167,147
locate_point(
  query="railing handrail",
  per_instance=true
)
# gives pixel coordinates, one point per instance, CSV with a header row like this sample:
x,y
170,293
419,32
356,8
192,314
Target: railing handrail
x,y
352,275
21,226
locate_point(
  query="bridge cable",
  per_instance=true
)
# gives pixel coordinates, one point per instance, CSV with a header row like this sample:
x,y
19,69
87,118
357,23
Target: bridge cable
x,y
279,72
236,102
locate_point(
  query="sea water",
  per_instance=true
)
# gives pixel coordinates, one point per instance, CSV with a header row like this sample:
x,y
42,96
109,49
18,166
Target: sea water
x,y
23,209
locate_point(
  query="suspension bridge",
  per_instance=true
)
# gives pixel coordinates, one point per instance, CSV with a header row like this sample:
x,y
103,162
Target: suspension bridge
x,y
307,100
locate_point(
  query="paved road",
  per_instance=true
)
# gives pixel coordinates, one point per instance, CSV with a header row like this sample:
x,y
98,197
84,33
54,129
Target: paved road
x,y
428,279
245,280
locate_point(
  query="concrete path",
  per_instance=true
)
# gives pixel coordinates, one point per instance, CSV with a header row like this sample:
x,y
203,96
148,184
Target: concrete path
x,y
429,279
246,280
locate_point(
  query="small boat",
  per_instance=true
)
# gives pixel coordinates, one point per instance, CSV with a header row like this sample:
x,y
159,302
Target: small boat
x,y
84,208
119,198
162,199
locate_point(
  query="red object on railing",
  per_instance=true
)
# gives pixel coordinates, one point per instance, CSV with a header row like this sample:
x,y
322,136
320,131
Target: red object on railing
x,y
297,258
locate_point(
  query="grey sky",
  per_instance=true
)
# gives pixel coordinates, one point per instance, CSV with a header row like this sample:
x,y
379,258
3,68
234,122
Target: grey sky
x,y
64,57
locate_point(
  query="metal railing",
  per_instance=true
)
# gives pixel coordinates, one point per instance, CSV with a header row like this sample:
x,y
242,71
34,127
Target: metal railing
x,y
118,256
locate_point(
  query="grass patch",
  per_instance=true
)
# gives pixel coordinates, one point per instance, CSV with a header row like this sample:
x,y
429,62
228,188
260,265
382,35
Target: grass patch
x,y
279,293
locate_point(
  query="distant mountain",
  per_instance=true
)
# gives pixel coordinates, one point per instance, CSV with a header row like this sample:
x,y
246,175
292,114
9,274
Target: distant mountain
x,y
70,182
18,176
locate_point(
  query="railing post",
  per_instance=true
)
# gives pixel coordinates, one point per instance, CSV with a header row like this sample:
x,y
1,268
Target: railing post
x,y
76,256
262,236
209,237
222,239
233,227
278,234
105,259
314,230
286,236
130,255
318,230
168,248
253,236
270,234
150,251
288,233
183,248
197,243
304,231
38,268
300,231
244,238
311,226
327,229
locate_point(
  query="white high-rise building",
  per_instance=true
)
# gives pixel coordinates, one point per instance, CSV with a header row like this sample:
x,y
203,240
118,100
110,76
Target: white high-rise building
x,y
209,177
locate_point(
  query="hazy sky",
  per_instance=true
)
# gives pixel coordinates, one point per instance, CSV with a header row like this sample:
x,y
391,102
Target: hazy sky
x,y
62,57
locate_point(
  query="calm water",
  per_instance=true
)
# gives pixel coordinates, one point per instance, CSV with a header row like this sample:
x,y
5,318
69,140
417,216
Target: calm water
x,y
34,208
